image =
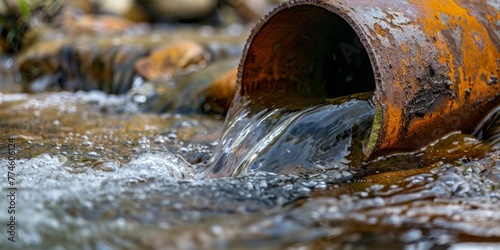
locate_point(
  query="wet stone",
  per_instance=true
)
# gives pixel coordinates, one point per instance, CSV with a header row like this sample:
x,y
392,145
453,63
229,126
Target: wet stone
x,y
77,24
209,90
169,60
107,62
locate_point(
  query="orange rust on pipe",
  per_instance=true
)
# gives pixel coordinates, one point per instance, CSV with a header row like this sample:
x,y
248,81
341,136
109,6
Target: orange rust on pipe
x,y
434,64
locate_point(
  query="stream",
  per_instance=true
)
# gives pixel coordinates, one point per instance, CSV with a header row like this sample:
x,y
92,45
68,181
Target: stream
x,y
94,171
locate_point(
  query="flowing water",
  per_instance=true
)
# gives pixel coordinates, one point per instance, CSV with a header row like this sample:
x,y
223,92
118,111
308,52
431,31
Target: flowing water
x,y
92,172
286,134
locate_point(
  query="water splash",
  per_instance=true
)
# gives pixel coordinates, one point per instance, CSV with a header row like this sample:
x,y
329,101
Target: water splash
x,y
287,134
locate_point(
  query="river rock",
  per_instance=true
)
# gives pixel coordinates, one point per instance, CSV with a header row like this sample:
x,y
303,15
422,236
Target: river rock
x,y
75,24
177,57
118,8
209,90
58,66
128,9
105,63
219,95
56,61
252,10
181,9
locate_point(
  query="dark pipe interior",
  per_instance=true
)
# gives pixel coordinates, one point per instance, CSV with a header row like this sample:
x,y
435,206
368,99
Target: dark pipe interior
x,y
308,50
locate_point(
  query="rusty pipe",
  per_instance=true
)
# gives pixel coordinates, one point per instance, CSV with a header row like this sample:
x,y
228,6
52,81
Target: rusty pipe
x,y
433,64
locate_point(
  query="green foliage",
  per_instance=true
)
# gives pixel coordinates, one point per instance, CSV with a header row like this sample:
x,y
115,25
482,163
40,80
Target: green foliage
x,y
25,10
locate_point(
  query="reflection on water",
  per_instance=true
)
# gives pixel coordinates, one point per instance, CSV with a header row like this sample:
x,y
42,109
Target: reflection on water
x,y
286,134
93,173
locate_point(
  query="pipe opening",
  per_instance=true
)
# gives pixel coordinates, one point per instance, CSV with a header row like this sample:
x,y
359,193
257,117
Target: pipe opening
x,y
309,51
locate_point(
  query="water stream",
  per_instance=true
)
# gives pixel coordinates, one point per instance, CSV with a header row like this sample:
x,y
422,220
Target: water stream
x,y
95,173
287,134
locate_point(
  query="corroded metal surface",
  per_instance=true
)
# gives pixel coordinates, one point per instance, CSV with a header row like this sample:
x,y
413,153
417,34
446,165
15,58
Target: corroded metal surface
x,y
434,64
